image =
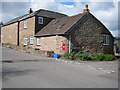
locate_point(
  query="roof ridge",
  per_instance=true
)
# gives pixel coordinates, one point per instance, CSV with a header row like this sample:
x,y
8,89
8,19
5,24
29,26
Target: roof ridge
x,y
68,21
50,11
19,18
70,16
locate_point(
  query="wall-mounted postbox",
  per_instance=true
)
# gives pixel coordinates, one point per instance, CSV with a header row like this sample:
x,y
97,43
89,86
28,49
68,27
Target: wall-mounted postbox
x,y
63,46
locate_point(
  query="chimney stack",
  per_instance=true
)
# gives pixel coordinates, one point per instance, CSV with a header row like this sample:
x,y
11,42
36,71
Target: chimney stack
x,y
30,11
86,8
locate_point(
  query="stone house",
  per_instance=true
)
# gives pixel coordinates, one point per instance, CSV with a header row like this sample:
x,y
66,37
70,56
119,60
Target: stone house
x,y
21,30
60,33
0,30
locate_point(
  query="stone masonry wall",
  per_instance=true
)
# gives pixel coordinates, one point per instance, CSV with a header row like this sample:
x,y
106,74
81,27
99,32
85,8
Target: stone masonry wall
x,y
108,49
9,33
53,43
87,35
29,31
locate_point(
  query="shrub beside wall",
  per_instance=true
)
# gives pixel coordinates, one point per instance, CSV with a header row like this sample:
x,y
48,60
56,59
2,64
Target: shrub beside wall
x,y
89,57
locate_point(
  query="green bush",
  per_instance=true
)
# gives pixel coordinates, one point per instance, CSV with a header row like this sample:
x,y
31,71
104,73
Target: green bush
x,y
6,44
82,56
29,47
98,57
103,57
77,55
72,55
69,55
109,57
86,56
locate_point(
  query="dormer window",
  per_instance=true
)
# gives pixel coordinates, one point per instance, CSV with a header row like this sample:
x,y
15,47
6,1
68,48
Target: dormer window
x,y
25,23
40,20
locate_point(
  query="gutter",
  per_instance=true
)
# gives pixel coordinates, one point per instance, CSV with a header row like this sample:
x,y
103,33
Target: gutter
x,y
48,35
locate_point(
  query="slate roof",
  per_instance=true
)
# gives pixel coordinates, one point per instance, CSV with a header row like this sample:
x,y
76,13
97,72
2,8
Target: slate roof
x,y
14,20
60,25
40,12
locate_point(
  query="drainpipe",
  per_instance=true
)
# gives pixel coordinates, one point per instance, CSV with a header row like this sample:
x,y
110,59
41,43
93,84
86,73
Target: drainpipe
x,y
69,42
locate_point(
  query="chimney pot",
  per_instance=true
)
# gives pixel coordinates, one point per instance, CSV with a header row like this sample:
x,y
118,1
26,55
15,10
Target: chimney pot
x,y
86,8
30,11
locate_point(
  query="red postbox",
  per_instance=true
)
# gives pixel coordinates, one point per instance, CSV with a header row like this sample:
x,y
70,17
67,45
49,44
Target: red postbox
x,y
63,46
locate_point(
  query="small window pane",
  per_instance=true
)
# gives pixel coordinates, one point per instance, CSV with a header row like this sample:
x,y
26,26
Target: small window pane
x,y
25,23
38,41
31,39
40,20
25,40
106,39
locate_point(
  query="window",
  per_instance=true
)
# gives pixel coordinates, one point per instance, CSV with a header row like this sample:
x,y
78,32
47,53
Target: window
x,y
25,40
38,41
105,39
25,23
31,39
60,26
40,20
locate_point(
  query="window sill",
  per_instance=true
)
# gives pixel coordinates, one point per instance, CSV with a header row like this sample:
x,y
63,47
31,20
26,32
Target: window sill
x,y
38,45
40,23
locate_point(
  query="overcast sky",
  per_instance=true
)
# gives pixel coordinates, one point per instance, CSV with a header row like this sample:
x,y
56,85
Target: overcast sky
x,y
106,12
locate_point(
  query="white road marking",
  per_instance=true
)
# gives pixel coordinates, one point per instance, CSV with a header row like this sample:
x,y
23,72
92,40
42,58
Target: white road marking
x,y
98,68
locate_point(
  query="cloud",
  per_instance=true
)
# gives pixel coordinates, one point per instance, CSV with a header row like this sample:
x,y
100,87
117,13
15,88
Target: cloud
x,y
11,10
115,33
106,12
69,6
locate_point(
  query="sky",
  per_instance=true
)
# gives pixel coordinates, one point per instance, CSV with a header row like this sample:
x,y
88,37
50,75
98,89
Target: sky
x,y
106,12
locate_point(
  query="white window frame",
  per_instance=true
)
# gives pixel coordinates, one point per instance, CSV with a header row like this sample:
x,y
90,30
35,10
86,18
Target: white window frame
x,y
25,40
106,39
25,23
31,40
38,40
41,19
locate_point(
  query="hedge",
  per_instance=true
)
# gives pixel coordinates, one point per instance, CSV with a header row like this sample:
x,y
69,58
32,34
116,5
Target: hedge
x,y
89,57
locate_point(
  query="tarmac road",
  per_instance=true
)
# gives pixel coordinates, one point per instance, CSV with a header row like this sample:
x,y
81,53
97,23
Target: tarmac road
x,y
23,70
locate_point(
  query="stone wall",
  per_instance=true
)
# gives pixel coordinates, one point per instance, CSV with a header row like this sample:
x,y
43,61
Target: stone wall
x,y
88,36
9,34
29,50
109,49
53,43
29,31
